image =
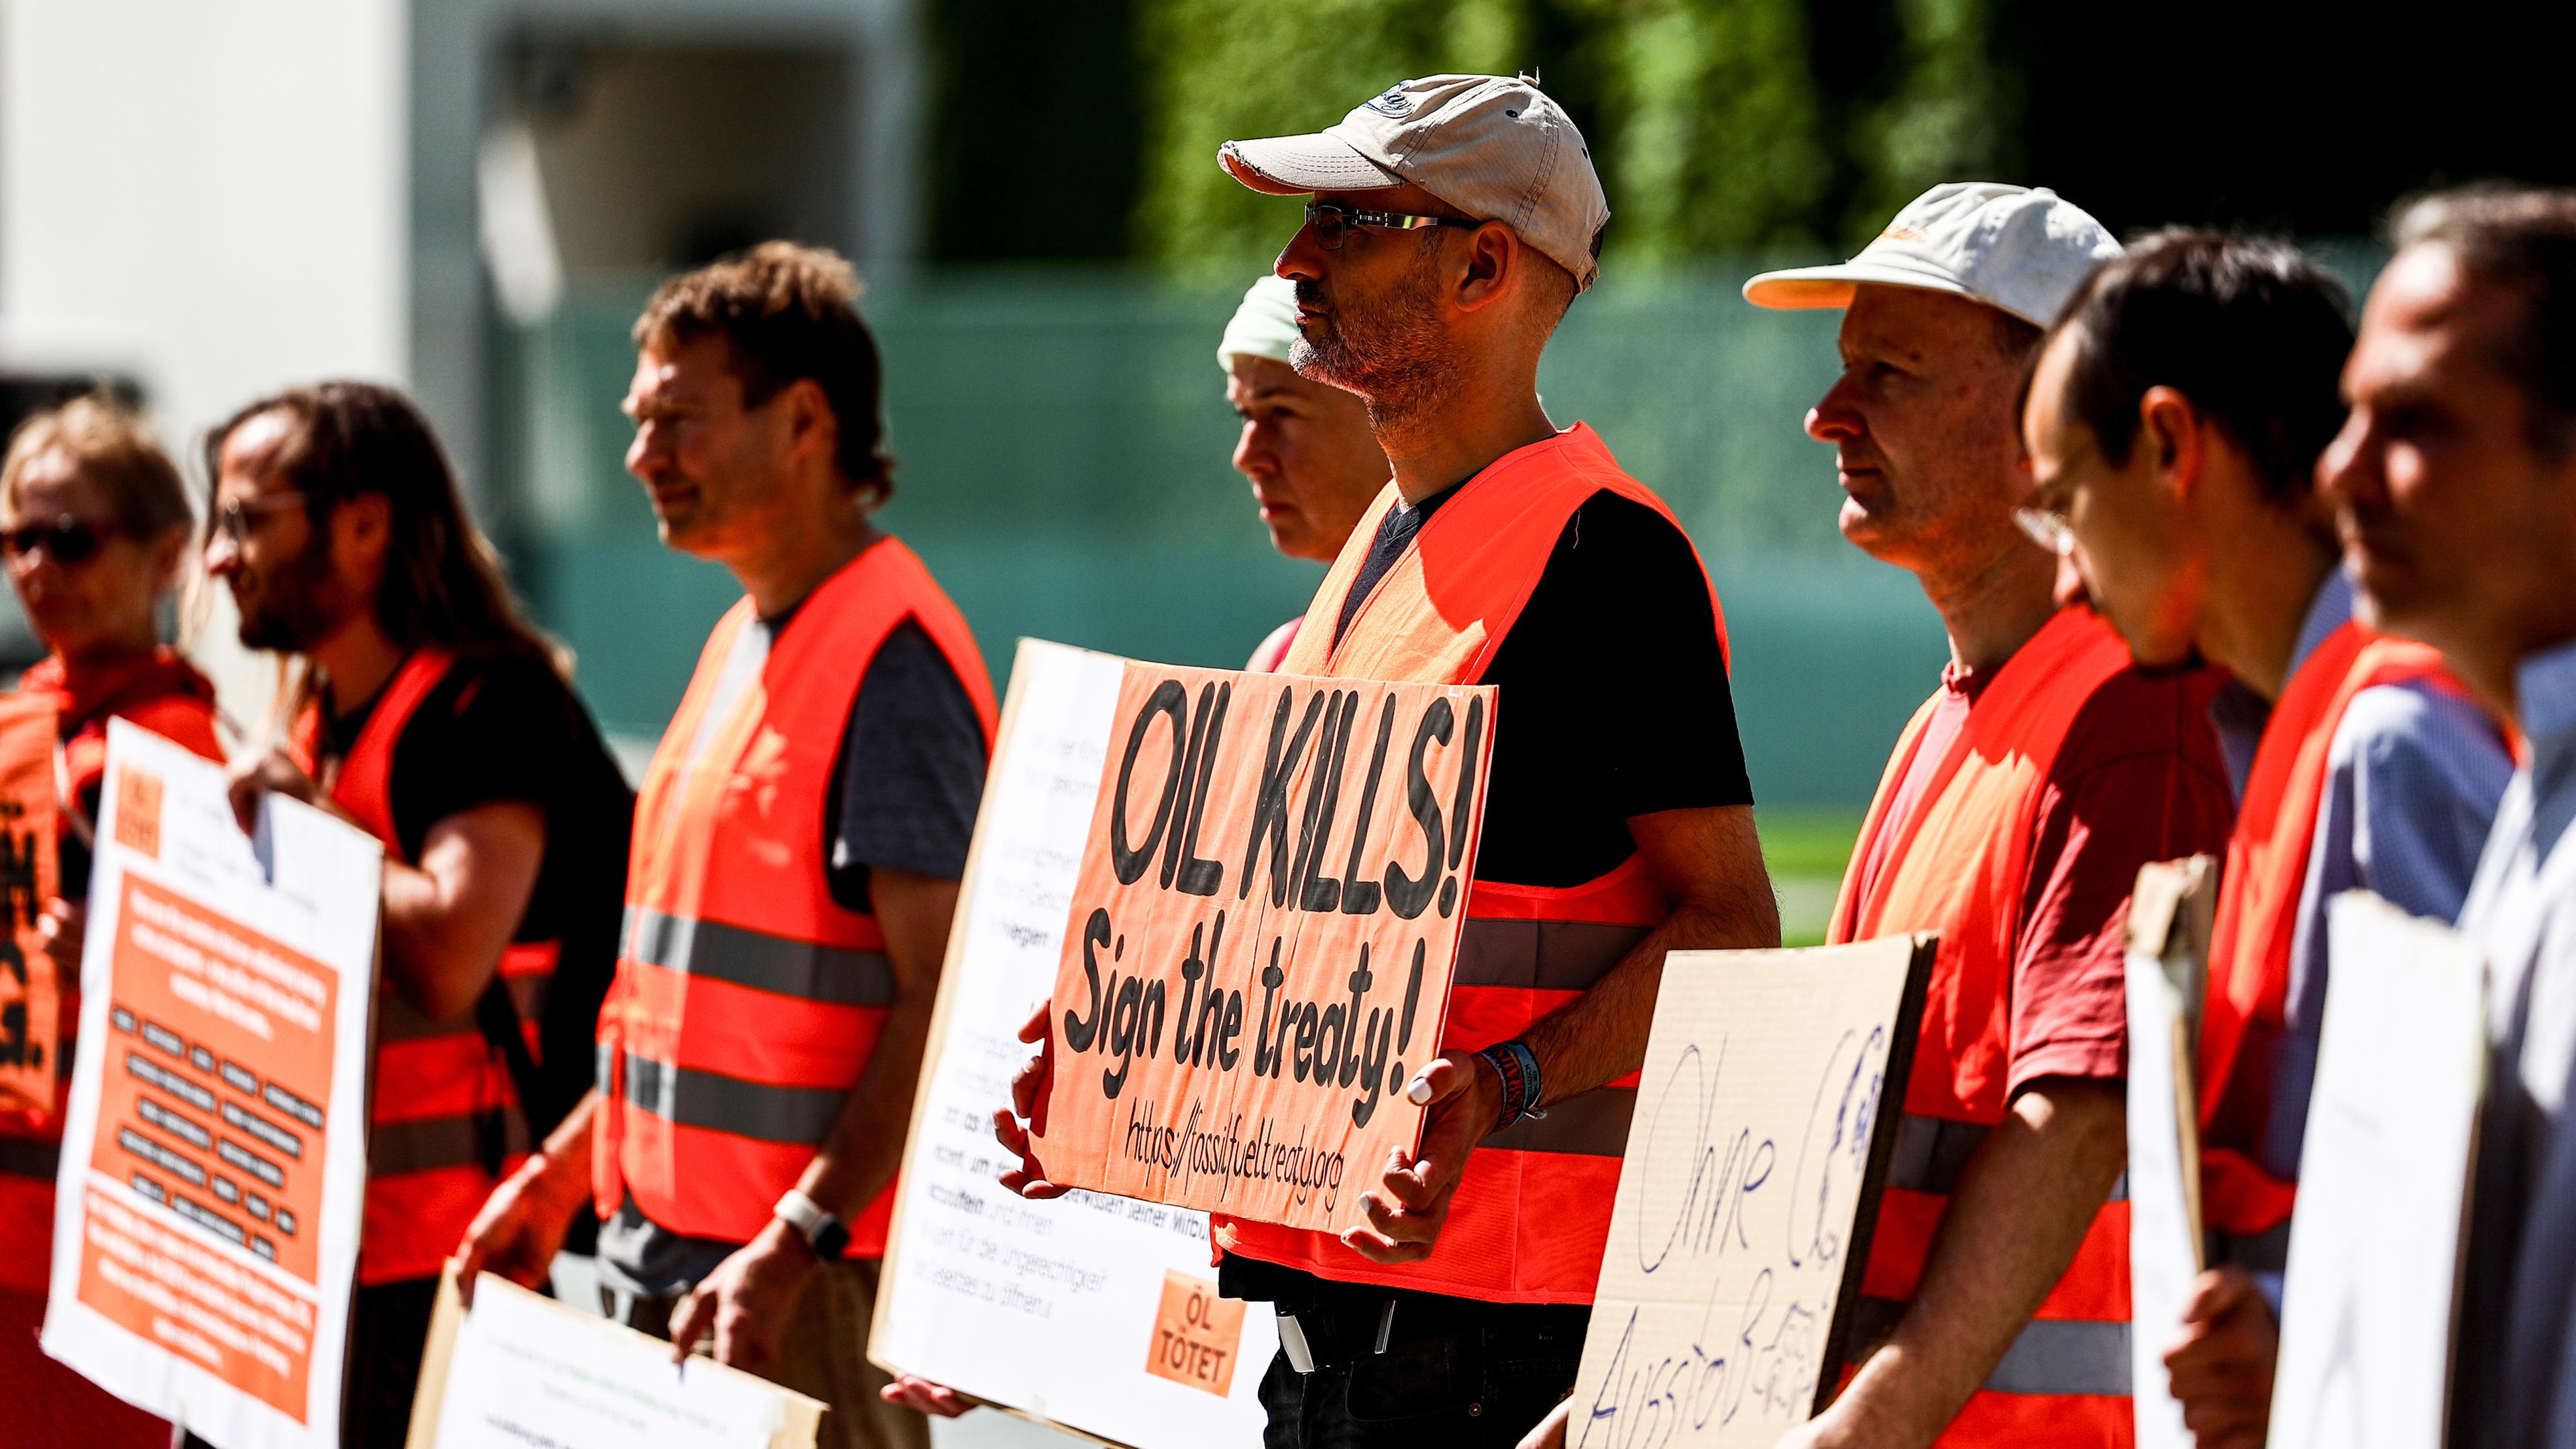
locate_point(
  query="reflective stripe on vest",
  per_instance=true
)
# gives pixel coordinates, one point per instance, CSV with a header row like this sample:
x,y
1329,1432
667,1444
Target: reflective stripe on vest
x,y
2259,896
747,1000
1532,1213
443,1111
1958,867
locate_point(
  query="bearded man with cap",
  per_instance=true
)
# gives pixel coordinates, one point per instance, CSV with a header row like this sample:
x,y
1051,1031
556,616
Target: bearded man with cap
x,y
2012,819
1306,447
1451,221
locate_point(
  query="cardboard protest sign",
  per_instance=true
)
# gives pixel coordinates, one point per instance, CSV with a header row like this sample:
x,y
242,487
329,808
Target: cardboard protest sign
x,y
1765,1124
30,997
2170,917
2371,1299
1097,1314
1261,937
522,1369
214,1151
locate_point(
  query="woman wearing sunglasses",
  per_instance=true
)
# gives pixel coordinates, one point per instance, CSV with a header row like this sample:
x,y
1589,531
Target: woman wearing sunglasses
x,y
94,527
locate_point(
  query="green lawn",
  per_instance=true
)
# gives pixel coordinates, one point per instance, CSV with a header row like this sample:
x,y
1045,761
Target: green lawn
x,y
1805,851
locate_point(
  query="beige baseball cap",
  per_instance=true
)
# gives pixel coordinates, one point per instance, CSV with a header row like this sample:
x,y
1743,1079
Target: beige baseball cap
x,y
1494,147
2022,250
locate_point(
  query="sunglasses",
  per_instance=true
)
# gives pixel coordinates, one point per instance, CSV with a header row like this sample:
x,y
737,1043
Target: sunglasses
x,y
65,540
1333,224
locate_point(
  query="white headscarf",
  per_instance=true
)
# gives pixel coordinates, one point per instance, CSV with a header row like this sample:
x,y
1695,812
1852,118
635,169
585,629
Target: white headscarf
x,y
1264,326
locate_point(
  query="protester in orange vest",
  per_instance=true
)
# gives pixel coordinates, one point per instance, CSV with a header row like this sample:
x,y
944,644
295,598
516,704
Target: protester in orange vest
x,y
2174,423
94,526
1306,446
1314,466
426,711
783,943
1452,220
2012,819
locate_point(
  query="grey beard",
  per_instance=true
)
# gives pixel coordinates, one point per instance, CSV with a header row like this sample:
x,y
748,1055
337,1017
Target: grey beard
x,y
1395,356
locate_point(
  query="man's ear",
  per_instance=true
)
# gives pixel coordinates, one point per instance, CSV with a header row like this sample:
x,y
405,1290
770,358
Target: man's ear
x,y
1493,257
2177,436
811,424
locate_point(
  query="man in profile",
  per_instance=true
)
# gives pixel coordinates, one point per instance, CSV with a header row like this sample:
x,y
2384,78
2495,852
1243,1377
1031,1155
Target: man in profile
x,y
1449,223
2012,819
2174,424
429,713
2454,481
783,943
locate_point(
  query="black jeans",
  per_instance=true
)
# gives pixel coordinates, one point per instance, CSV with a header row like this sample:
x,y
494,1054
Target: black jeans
x,y
388,1332
1455,1372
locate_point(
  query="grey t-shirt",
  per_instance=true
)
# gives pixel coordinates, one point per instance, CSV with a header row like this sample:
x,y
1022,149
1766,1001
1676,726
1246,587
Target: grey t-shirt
x,y
904,791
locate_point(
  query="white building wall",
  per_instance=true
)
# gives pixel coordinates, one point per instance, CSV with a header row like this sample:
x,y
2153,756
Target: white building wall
x,y
206,194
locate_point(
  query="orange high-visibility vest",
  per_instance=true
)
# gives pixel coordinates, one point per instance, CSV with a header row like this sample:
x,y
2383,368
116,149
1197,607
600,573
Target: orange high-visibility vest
x,y
1532,1214
1959,866
2258,915
747,1000
444,1123
30,1144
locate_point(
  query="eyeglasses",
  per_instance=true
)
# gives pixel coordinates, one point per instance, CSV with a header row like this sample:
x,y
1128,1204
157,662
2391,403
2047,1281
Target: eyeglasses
x,y
1333,223
2047,529
66,540
234,519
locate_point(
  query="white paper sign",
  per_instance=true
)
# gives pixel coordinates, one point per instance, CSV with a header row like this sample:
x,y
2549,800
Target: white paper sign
x,y
1097,1313
2371,1297
524,1370
1764,1128
215,1152
2169,928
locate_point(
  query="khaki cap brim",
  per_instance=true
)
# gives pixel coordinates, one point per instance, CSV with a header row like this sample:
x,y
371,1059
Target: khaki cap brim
x,y
1302,165
1807,288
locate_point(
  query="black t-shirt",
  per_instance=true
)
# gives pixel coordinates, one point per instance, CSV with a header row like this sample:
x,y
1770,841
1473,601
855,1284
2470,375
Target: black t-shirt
x,y
1613,693
1613,702
509,728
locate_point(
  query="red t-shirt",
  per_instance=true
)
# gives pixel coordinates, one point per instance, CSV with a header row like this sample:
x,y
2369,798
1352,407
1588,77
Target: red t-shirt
x,y
2139,779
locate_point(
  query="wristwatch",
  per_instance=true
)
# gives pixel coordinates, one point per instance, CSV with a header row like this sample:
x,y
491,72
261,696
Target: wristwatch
x,y
827,1235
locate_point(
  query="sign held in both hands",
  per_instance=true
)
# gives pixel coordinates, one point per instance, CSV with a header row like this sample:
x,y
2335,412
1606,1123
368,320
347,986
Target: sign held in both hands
x,y
1261,938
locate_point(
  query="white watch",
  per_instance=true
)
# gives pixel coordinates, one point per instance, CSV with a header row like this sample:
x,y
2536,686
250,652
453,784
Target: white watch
x,y
822,1232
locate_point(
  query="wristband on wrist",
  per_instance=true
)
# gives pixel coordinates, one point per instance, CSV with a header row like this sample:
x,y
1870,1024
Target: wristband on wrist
x,y
1517,1065
822,1231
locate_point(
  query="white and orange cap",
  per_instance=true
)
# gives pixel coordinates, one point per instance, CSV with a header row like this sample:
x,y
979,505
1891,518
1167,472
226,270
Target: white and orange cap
x,y
1496,148
2021,250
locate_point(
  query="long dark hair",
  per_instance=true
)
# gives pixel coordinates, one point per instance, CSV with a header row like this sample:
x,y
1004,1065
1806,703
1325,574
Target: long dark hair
x,y
442,582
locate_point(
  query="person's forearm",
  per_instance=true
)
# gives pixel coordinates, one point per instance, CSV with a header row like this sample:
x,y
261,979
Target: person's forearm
x,y
437,958
559,1171
1600,1036
865,1147
2022,1209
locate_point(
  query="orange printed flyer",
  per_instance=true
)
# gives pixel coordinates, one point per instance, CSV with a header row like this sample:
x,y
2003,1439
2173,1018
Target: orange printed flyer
x,y
1261,937
214,1156
30,997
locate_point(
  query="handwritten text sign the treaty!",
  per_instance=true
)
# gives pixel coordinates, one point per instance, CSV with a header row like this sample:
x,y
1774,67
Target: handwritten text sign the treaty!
x,y
1261,937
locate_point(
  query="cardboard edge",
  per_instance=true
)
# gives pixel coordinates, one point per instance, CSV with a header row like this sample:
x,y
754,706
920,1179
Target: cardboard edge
x,y
1903,1037
430,1394
944,1004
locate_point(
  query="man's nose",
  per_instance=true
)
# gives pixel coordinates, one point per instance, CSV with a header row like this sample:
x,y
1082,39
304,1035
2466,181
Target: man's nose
x,y
223,554
1248,449
1833,419
1302,260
